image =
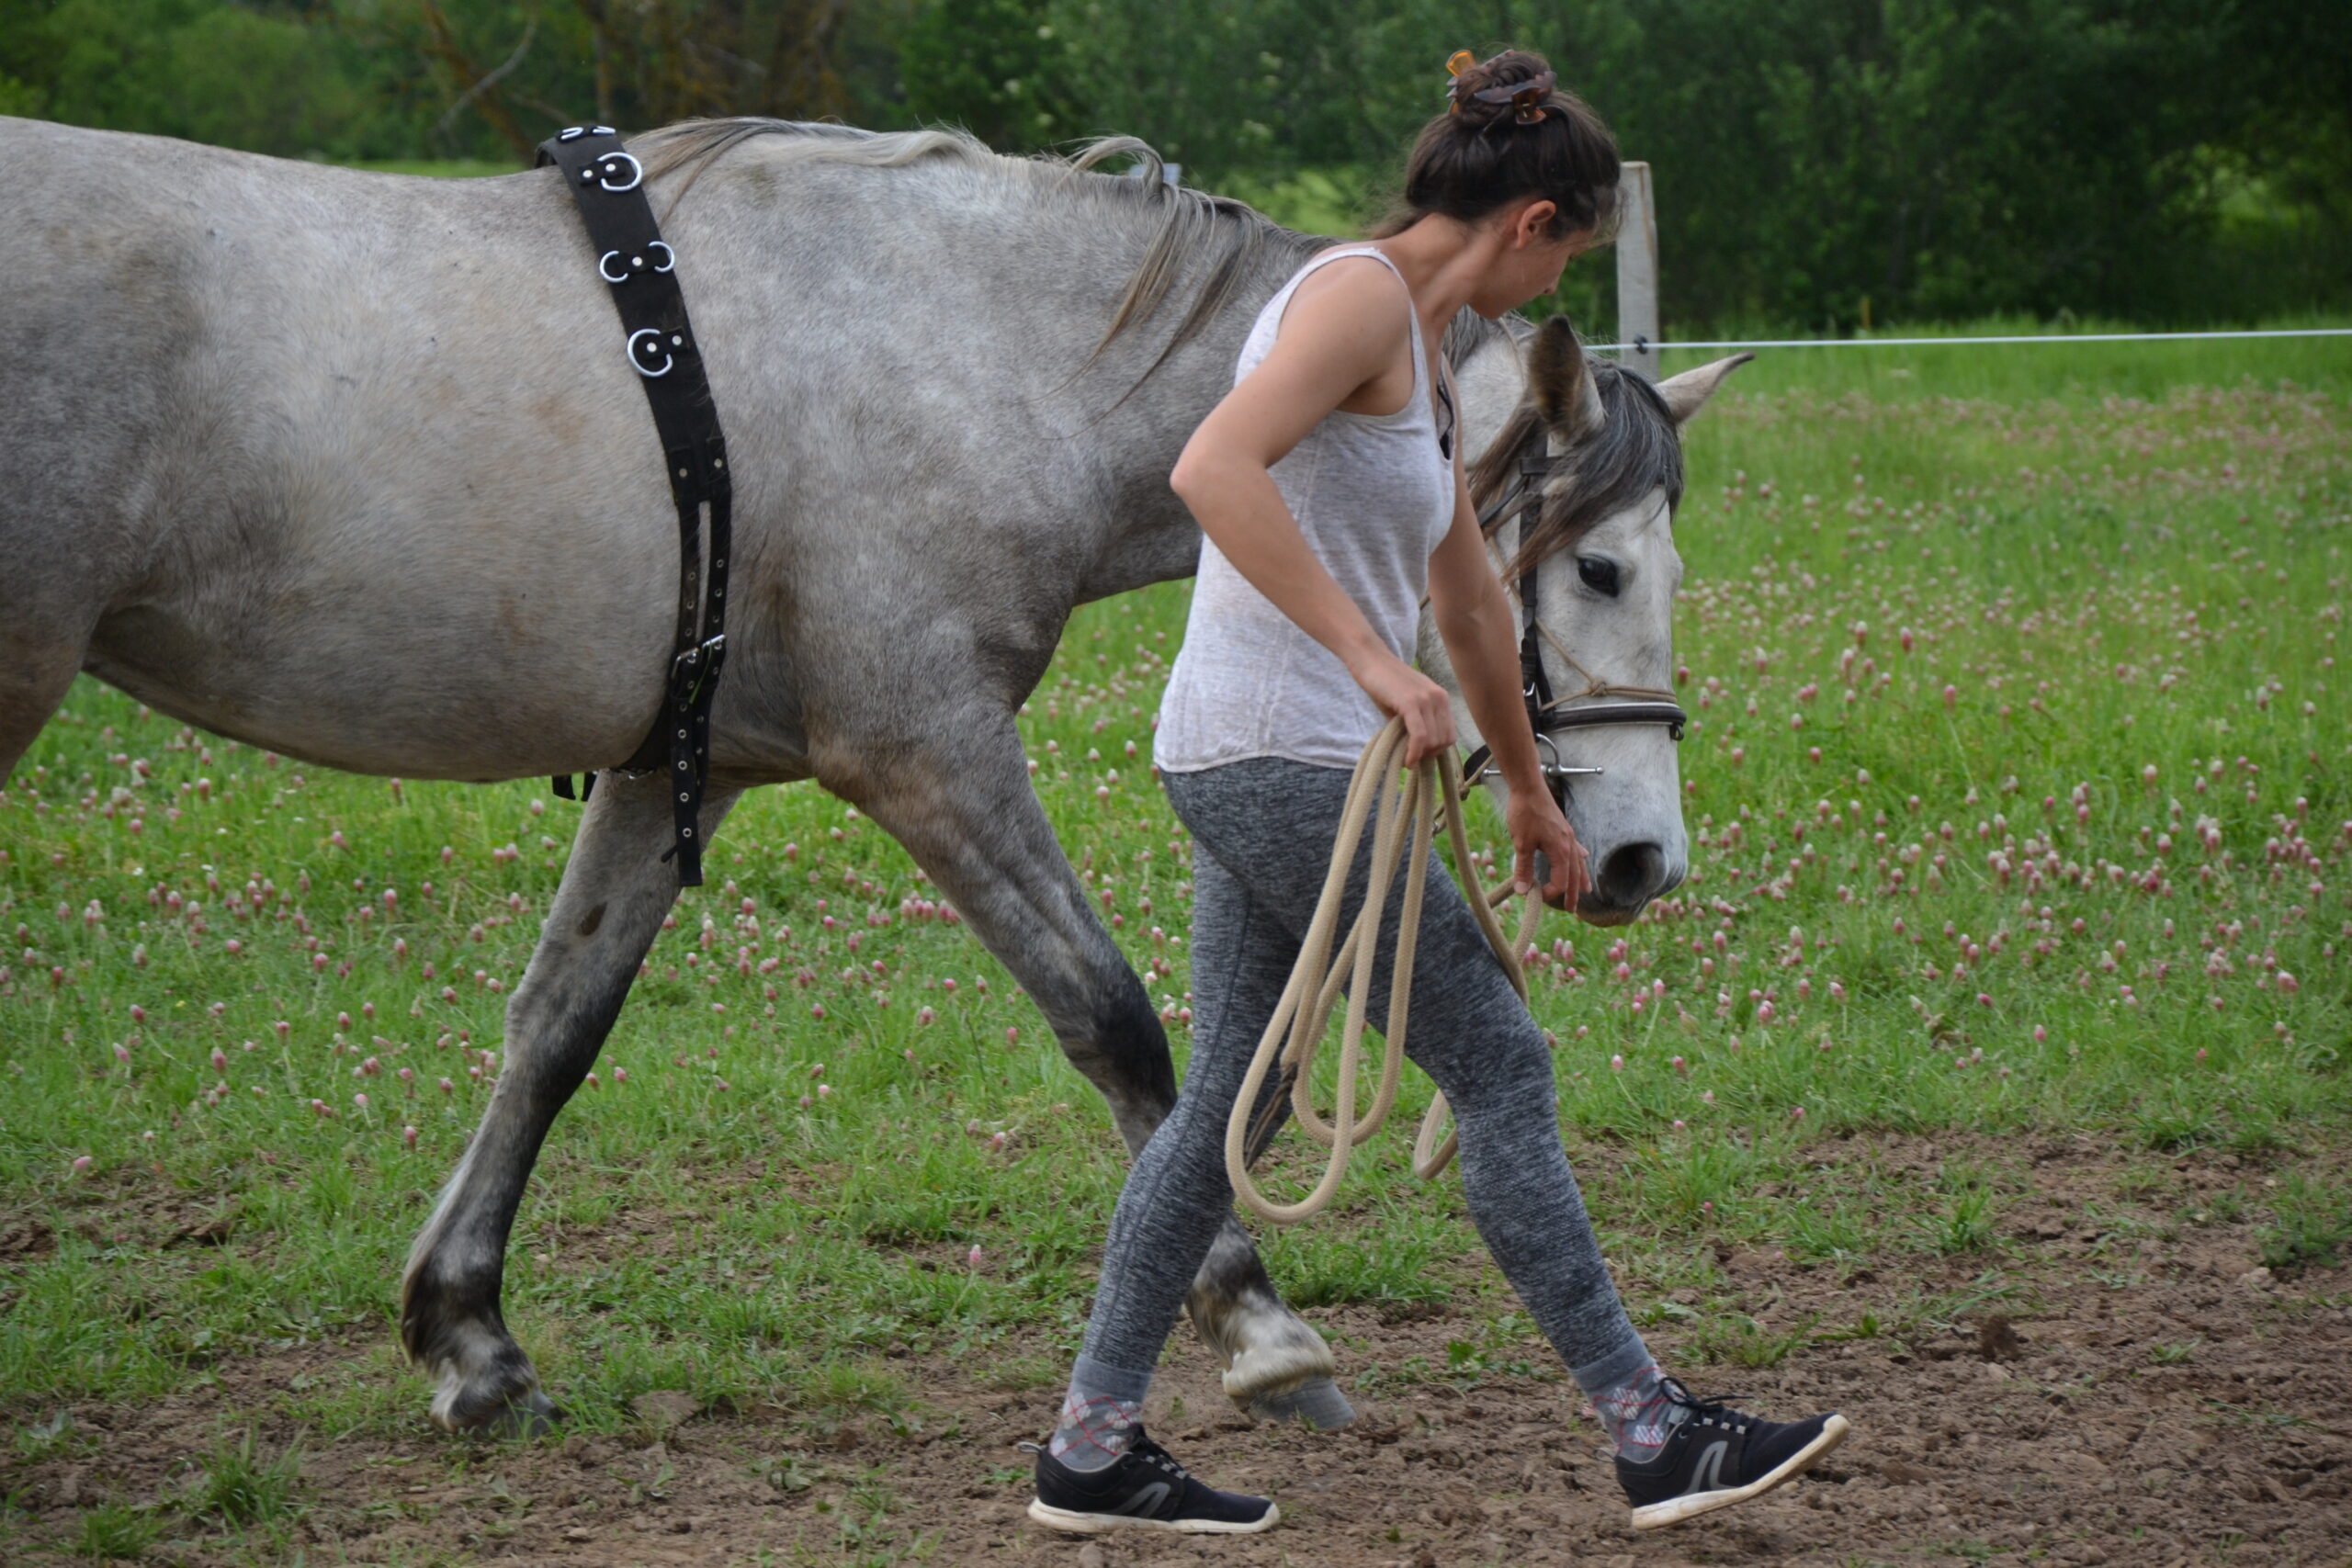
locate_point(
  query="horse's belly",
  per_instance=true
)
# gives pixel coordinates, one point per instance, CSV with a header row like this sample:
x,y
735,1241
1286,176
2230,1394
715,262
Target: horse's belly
x,y
503,685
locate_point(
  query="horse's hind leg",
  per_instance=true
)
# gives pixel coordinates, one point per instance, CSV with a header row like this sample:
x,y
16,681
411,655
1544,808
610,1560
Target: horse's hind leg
x,y
960,801
609,908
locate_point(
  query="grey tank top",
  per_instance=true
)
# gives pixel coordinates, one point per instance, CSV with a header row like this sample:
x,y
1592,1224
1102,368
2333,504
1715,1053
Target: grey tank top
x,y
1373,494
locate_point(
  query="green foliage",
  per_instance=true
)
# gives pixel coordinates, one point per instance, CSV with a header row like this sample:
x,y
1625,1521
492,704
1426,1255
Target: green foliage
x,y
208,72
1818,164
20,98
1000,68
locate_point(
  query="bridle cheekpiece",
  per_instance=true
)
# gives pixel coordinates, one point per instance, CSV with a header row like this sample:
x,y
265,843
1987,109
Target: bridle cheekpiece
x,y
1595,704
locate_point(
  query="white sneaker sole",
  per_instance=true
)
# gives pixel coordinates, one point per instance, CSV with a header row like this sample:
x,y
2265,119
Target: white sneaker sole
x,y
1104,1524
1674,1510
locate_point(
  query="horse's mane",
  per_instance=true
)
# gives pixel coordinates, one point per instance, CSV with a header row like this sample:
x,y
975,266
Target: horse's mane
x,y
1636,450
1223,241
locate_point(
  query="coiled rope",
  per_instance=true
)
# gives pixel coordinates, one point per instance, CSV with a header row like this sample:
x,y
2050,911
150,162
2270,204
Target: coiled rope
x,y
1296,1031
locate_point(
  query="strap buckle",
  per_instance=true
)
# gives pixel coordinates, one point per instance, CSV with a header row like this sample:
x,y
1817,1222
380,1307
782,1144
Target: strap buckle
x,y
688,670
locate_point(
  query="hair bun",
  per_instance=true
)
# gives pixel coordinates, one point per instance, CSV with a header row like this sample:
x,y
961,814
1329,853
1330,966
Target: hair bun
x,y
1513,85
1549,146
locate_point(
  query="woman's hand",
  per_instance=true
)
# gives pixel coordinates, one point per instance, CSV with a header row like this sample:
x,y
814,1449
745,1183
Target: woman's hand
x,y
1399,689
1535,824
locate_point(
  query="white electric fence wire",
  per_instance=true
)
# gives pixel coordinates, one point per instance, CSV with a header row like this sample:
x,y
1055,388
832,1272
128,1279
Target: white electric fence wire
x,y
1962,341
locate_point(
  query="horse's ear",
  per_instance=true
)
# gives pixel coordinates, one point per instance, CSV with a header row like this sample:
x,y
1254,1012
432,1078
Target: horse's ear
x,y
1686,394
1561,382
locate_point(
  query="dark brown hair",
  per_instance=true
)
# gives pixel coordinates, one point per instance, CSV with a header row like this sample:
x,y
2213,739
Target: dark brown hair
x,y
1493,147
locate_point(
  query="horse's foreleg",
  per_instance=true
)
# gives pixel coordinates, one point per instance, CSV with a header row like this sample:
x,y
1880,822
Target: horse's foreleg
x,y
615,890
965,810
38,657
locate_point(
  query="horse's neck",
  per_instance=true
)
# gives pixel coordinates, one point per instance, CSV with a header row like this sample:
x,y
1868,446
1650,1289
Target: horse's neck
x,y
1127,414
1152,537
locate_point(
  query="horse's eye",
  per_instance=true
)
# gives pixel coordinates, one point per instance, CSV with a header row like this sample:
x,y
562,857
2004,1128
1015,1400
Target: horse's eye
x,y
1599,575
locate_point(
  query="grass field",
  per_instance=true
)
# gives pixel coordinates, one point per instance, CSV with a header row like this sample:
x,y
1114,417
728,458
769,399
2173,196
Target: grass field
x,y
2011,975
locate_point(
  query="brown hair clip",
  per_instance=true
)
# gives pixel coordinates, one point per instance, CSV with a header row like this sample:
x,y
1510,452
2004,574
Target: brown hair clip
x,y
1525,97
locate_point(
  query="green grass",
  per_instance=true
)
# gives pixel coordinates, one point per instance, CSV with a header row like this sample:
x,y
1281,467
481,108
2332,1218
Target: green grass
x,y
239,1486
1966,1223
114,1531
1736,1339
2061,624
2312,1225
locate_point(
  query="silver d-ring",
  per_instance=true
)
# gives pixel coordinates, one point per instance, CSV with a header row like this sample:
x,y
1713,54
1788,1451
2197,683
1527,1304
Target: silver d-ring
x,y
669,257
667,361
608,271
636,170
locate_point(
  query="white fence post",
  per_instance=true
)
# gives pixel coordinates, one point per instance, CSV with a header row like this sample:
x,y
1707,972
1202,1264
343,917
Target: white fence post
x,y
1637,271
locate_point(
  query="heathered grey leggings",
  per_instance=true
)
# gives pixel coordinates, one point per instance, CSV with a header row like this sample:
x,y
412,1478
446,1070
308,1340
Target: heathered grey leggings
x,y
1263,830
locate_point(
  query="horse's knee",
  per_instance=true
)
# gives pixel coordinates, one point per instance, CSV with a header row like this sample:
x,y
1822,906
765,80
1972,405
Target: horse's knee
x,y
1120,1040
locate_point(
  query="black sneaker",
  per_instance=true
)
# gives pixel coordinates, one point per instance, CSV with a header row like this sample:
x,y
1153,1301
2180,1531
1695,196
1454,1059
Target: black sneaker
x,y
1143,1489
1718,1456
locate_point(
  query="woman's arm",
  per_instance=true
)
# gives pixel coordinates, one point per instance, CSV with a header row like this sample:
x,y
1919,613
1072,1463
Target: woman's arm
x,y
1343,340
1473,616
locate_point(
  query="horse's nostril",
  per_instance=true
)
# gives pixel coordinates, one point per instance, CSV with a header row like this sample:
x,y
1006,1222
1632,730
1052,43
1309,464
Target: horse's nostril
x,y
1631,875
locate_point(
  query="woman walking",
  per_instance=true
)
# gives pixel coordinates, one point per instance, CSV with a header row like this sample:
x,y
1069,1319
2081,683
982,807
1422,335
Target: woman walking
x,y
1332,498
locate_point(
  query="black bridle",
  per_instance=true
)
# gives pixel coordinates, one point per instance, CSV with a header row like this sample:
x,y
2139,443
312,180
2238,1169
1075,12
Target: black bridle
x,y
1597,702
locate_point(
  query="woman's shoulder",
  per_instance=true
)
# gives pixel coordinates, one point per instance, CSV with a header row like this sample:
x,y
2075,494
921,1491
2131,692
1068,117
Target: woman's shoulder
x,y
1354,298
1355,277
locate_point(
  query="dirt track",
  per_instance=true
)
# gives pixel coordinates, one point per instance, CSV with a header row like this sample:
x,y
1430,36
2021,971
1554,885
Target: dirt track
x,y
2151,1401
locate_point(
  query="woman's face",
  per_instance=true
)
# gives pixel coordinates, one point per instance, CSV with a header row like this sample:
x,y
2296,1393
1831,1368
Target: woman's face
x,y
1528,260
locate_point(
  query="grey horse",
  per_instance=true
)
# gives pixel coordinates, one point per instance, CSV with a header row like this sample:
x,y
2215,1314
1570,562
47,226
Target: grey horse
x,y
350,467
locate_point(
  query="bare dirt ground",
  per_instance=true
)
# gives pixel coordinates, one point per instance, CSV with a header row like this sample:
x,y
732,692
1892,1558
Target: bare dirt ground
x,y
2151,1399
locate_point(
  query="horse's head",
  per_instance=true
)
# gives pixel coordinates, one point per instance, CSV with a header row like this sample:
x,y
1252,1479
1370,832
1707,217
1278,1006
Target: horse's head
x,y
1577,485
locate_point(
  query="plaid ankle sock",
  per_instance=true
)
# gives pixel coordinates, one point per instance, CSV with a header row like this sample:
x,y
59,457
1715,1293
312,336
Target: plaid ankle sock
x,y
1098,1418
1638,1415
1093,1432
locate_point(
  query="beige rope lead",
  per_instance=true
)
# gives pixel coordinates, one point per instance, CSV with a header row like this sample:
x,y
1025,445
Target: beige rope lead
x,y
1296,1031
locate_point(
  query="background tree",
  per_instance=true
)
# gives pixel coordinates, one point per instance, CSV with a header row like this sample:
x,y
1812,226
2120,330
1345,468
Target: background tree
x,y
1000,68
1819,163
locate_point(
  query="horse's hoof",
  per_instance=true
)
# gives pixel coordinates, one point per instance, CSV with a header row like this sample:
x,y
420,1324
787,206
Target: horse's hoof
x,y
1316,1405
1285,1375
497,1395
533,1416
